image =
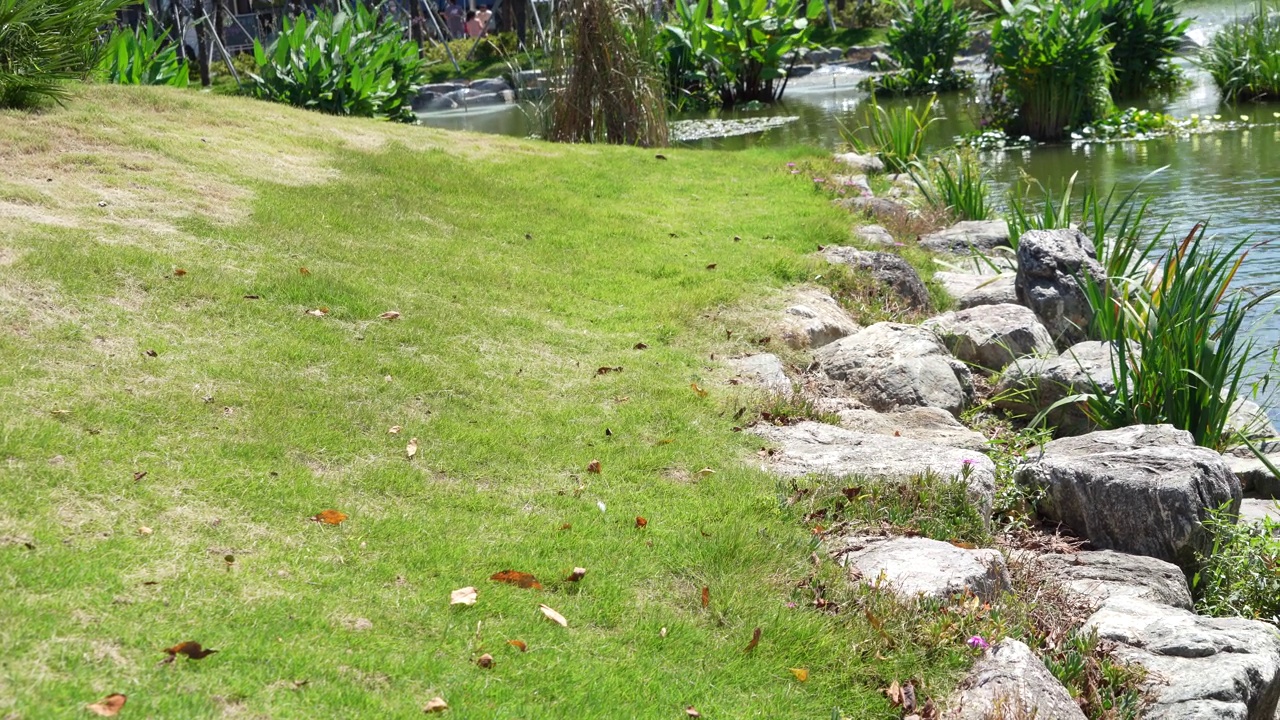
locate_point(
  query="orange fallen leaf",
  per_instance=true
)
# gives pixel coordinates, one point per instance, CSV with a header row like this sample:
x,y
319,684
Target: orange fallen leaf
x,y
518,644
802,674
517,578
594,467
435,704
692,712
553,616
641,522
567,526
179,272
706,596
577,574
390,315
144,530
411,449
463,596
108,706
755,640
190,648
329,517
303,271
485,661
698,390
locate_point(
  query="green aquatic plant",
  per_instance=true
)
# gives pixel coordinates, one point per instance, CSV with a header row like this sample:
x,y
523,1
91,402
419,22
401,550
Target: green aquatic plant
x,y
1244,57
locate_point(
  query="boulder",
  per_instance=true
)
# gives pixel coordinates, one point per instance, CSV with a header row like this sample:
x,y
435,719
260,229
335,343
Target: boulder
x,y
931,424
890,270
867,164
972,289
1011,682
1256,510
1050,265
815,319
1253,474
1249,418
989,337
968,236
489,85
891,366
800,70
1198,667
1142,490
853,183
811,448
874,207
1029,385
765,371
1100,574
915,567
875,235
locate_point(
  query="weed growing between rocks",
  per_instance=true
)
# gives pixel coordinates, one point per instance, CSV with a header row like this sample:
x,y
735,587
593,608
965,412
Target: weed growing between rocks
x,y
866,300
788,409
1014,508
1240,576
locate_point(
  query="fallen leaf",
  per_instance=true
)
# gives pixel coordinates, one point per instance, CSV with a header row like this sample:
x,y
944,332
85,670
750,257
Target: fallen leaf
x,y
567,526
394,430
699,391
139,475
463,596
319,312
303,271
144,530
755,640
329,517
705,472
621,399
108,706
299,684
179,272
190,648
390,315
659,157
517,578
706,596
518,644
712,266
764,340
641,346
608,432
802,674
641,522
252,297
151,353
662,633
553,616
894,693
607,370
691,712
594,467
485,661
576,575
600,504
964,545
737,238
909,697
435,704
411,449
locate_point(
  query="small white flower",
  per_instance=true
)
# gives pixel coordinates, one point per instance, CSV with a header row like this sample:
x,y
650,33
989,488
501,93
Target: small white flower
x,y
600,504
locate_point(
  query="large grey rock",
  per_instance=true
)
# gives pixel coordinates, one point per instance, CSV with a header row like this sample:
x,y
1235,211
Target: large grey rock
x,y
1029,385
890,270
764,370
1257,510
914,567
1100,574
868,164
973,289
1199,668
890,366
814,319
932,424
1050,265
989,337
810,448
1249,418
874,234
489,85
1253,474
1011,682
968,236
853,183
1142,490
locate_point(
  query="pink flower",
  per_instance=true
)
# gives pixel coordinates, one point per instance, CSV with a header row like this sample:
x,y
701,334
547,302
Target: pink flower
x,y
819,180
977,643
791,164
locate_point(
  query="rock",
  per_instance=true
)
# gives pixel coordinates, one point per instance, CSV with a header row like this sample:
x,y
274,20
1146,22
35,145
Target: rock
x,y
1011,682
881,61
891,270
1050,263
874,207
989,337
867,164
764,370
1198,667
891,366
489,85
1029,385
1253,474
972,289
1249,418
932,424
853,183
810,448
1256,510
968,236
815,319
875,235
914,567
1100,574
800,70
1142,490
432,102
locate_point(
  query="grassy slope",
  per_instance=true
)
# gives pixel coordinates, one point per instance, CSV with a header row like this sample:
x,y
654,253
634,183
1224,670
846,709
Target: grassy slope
x,y
519,269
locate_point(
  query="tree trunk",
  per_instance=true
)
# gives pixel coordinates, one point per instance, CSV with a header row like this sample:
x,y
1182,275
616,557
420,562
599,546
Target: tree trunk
x,y
202,42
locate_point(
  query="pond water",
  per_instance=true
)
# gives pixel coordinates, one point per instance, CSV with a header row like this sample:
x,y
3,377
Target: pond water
x,y
1230,178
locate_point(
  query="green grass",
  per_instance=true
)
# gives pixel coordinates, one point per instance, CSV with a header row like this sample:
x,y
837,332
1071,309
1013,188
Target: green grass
x,y
519,269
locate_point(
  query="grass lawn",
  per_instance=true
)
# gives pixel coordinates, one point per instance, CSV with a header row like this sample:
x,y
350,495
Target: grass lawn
x,y
172,417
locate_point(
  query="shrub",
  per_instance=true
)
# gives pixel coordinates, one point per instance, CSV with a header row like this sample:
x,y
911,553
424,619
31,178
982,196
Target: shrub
x,y
44,43
956,184
926,35
1144,35
1053,66
895,135
143,56
911,82
605,86
1240,576
1244,57
350,62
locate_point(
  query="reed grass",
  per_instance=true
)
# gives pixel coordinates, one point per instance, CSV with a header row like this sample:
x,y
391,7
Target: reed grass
x,y
1244,57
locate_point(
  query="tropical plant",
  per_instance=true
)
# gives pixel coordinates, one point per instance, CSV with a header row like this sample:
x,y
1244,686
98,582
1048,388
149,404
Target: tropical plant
x,y
739,49
605,85
956,184
143,56
911,82
1244,57
926,34
896,135
1053,66
351,62
1240,575
44,43
1144,35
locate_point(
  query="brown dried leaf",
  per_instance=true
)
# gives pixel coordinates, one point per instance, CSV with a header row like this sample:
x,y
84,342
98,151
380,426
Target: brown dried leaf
x,y
698,390
144,530
802,674
706,596
607,370
319,312
894,693
394,430
691,712
435,704
712,266
518,644
576,575
517,578
755,640
108,706
553,616
411,449
594,467
641,522
485,661
641,346
303,271
179,272
191,649
389,315
329,517
463,596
